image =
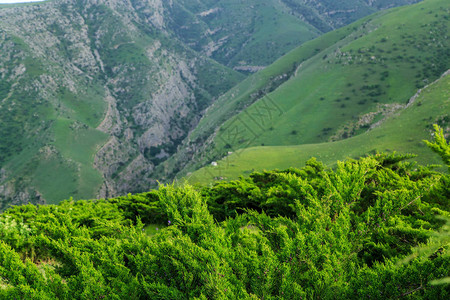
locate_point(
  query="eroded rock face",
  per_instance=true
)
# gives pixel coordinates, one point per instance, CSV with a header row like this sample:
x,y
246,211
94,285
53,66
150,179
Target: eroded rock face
x,y
15,193
113,94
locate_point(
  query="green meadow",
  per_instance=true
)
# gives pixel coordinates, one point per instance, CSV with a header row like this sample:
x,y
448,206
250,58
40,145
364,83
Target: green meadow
x,y
403,133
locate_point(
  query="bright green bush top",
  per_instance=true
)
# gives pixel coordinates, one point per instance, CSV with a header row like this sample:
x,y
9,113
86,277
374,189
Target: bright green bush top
x,y
310,233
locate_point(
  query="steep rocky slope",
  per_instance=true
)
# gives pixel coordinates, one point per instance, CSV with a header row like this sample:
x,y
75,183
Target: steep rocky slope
x,y
94,94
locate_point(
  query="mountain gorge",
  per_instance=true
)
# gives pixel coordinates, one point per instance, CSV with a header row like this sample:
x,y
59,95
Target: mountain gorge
x,y
98,96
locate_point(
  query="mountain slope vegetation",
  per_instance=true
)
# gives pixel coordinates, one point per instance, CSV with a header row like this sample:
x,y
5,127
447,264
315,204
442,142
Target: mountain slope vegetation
x,y
329,89
403,131
347,233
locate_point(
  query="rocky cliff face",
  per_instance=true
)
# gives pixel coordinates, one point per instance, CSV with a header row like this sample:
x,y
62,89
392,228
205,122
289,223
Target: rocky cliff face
x,y
105,86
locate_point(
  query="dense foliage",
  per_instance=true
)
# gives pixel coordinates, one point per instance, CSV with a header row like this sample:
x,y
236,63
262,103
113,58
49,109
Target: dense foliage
x,y
293,234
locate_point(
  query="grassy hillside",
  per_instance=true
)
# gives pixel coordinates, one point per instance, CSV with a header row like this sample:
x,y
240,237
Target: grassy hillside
x,y
337,91
403,132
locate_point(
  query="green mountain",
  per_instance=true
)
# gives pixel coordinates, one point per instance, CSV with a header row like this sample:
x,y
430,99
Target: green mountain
x,y
100,98
335,87
95,96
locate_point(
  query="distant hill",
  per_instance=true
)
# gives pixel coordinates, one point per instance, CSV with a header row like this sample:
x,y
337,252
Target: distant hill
x,y
329,89
254,33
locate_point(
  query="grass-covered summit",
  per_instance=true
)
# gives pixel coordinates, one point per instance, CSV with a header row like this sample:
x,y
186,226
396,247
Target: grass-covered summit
x,y
346,233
